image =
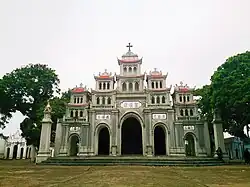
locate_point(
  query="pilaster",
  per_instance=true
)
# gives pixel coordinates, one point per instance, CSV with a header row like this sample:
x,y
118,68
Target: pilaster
x,y
207,138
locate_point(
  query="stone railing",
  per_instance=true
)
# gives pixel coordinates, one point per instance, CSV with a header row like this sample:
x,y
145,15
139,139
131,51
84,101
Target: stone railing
x,y
185,118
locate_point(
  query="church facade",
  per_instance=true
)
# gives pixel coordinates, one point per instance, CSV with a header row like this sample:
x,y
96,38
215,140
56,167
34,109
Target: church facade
x,y
132,113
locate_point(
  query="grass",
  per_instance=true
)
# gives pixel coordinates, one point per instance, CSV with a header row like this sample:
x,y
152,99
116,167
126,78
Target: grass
x,y
23,173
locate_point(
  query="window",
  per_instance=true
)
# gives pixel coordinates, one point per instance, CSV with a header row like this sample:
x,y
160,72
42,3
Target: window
x,y
98,100
81,113
135,69
188,99
163,100
81,99
109,101
191,112
152,85
74,99
78,100
130,86
71,114
160,84
180,98
152,99
130,69
76,113
186,112
181,112
104,85
124,86
108,86
158,99
156,85
100,86
103,100
136,86
124,69
184,98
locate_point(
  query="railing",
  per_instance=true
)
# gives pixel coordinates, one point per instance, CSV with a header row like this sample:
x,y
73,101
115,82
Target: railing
x,y
183,118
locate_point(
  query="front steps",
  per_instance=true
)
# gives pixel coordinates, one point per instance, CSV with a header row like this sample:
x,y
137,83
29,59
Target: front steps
x,y
132,160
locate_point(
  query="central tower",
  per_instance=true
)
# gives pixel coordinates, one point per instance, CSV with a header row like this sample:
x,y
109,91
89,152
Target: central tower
x,y
130,78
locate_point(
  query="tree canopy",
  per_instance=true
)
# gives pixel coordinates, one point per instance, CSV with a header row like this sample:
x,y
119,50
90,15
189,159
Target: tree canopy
x,y
26,90
229,92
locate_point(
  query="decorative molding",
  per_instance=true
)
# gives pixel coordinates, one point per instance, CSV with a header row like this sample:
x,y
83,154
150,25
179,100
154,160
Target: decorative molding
x,y
103,116
159,116
188,128
130,104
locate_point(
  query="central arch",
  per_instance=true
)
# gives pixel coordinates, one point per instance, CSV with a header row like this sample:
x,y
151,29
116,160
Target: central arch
x,y
159,141
131,136
103,141
190,145
74,141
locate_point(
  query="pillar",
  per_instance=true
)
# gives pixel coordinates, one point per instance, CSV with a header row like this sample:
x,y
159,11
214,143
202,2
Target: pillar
x,y
44,152
58,138
64,145
207,138
218,134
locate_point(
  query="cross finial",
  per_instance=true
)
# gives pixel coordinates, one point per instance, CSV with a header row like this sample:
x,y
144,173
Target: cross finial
x,y
129,46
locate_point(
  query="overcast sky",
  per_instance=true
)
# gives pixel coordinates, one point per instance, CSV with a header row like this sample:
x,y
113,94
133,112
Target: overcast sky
x,y
188,39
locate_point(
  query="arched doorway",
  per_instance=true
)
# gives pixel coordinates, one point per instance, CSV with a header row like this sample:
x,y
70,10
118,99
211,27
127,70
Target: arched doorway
x,y
74,141
189,145
8,153
103,141
21,155
131,137
14,152
159,141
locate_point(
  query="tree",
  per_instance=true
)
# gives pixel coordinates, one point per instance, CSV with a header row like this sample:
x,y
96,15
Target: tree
x,y
229,93
27,89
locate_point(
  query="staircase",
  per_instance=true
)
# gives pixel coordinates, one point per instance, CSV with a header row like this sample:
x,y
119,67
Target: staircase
x,y
132,160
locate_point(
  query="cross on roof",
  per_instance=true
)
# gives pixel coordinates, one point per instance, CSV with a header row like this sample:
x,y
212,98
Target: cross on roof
x,y
129,46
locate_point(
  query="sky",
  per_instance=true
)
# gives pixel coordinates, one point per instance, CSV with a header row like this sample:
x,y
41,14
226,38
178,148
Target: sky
x,y
188,39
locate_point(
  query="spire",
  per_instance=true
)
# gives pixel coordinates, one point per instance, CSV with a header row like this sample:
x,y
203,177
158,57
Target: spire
x,y
47,112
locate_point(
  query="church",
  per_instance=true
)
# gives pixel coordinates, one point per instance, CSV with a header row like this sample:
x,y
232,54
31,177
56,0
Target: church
x,y
132,113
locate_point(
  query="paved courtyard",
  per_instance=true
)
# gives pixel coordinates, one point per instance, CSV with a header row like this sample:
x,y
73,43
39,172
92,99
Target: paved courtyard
x,y
24,174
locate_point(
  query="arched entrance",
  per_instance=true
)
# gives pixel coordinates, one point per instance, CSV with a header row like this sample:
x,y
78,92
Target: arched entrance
x,y
8,153
189,145
159,141
103,141
21,155
131,137
14,152
74,141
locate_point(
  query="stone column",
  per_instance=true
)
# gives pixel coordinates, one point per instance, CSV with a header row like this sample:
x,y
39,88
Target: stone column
x,y
207,138
218,134
114,121
18,156
148,137
58,138
64,145
44,152
33,154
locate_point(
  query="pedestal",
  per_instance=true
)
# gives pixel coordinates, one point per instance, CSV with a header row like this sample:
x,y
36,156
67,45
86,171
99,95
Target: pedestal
x,y
114,150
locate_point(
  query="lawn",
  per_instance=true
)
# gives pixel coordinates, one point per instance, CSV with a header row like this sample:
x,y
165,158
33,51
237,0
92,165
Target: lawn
x,y
24,174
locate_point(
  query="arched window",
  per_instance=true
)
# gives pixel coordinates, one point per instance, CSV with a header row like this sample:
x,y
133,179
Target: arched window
x,y
71,114
152,99
186,112
156,85
104,85
108,86
75,99
103,100
81,113
180,98
130,86
158,99
78,100
81,100
125,69
135,69
152,85
163,100
130,69
76,113
181,112
100,86
188,99
124,86
160,84
191,112
136,86
184,99
109,101
98,100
